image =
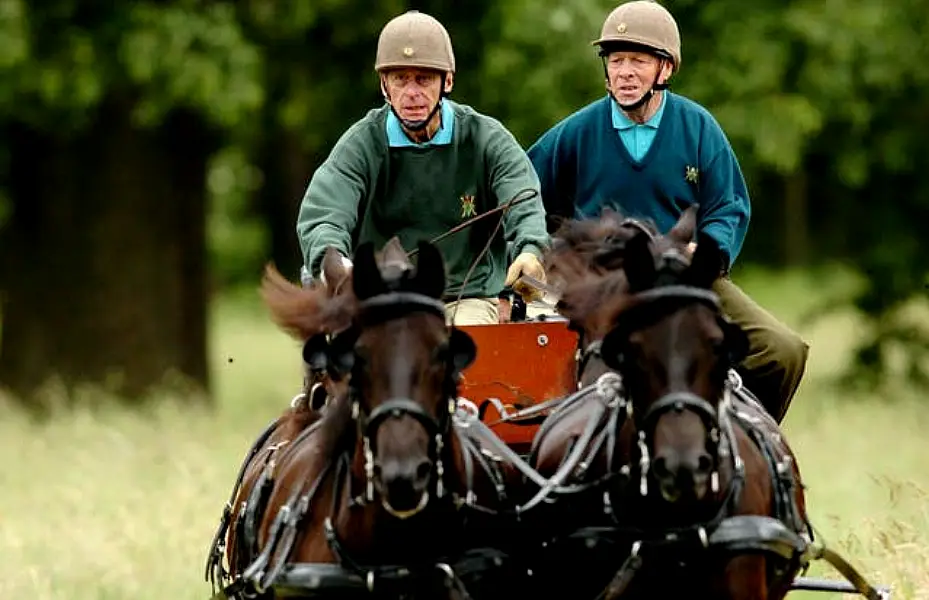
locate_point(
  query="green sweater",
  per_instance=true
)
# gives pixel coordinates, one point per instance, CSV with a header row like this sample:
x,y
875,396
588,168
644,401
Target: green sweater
x,y
368,191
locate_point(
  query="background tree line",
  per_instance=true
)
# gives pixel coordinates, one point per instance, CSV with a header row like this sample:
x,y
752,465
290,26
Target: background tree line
x,y
155,152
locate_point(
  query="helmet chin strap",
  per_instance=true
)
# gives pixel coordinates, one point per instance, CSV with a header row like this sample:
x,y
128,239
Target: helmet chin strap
x,y
420,124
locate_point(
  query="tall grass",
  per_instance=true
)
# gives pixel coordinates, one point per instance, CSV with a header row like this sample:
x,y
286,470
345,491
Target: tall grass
x,y
107,503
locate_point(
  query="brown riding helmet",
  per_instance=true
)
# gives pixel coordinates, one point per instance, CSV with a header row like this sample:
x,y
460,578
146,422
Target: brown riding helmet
x,y
643,23
414,39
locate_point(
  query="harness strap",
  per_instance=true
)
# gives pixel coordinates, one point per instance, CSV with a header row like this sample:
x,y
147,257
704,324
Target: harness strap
x,y
850,573
215,572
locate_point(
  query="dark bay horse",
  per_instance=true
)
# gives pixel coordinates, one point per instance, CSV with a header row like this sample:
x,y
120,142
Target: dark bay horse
x,y
384,492
607,482
719,509
675,481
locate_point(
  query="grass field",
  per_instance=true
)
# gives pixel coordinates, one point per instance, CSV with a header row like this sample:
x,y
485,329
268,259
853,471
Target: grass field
x,y
109,504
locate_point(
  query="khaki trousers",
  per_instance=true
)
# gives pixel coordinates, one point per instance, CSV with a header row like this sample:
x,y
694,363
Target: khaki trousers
x,y
473,311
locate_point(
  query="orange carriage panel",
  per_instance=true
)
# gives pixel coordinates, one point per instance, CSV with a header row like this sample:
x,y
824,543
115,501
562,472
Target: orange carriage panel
x,y
521,364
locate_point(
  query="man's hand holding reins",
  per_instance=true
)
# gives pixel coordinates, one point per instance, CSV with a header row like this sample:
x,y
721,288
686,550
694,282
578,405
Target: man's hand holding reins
x,y
526,264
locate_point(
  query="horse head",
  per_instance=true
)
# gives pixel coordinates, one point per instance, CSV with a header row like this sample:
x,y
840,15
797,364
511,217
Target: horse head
x,y
674,349
403,364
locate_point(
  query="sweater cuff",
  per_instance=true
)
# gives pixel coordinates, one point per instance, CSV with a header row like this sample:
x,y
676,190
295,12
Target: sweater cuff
x,y
721,234
531,249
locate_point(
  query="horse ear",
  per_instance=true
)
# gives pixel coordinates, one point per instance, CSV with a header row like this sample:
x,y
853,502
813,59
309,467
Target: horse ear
x,y
316,352
683,230
393,254
736,341
639,262
366,277
612,348
430,271
706,264
462,348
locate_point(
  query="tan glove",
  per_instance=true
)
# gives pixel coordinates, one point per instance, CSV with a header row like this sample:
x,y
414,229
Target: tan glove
x,y
526,264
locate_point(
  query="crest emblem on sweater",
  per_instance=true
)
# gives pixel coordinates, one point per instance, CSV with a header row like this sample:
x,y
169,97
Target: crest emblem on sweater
x,y
468,208
692,174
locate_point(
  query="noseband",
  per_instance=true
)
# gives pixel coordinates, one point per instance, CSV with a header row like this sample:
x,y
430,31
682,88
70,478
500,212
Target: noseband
x,y
653,304
657,302
379,309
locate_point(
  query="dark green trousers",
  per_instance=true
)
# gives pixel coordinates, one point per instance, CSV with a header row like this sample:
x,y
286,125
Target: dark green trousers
x,y
777,355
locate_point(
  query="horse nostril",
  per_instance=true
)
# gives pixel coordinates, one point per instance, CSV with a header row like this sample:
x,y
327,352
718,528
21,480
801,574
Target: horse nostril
x,y
423,470
704,463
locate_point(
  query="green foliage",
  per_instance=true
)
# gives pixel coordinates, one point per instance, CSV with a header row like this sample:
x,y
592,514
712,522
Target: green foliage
x,y
237,239
191,54
540,65
834,89
59,59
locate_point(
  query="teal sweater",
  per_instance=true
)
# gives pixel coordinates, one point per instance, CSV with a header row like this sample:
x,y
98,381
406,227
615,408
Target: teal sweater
x,y
584,166
367,190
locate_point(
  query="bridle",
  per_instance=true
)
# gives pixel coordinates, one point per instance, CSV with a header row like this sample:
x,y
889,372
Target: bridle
x,y
379,309
646,307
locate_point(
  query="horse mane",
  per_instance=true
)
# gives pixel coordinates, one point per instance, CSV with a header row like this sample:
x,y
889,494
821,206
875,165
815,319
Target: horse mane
x,y
580,246
303,312
589,293
586,259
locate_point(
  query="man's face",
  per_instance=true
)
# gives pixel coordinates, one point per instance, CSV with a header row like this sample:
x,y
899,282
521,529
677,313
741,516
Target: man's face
x,y
632,73
414,92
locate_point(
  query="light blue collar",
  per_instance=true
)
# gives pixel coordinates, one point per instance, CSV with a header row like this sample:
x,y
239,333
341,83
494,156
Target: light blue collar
x,y
622,122
396,138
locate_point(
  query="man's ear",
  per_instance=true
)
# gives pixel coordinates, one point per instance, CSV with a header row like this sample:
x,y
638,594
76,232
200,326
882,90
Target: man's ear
x,y
667,69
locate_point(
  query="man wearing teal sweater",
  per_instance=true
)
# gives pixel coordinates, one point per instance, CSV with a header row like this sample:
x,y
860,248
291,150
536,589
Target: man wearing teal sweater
x,y
650,154
420,165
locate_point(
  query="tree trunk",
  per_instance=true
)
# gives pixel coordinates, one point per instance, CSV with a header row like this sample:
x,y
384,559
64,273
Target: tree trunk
x,y
286,171
796,221
105,257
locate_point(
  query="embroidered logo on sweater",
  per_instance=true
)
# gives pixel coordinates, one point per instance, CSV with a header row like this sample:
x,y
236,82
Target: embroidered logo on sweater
x,y
692,174
467,206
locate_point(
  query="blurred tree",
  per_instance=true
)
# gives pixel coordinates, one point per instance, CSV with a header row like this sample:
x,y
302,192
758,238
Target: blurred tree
x,y
113,114
110,113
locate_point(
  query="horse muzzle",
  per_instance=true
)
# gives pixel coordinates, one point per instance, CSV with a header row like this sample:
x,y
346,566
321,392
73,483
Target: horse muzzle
x,y
682,475
403,486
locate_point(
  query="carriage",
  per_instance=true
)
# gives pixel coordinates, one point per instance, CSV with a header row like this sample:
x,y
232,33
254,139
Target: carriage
x,y
515,376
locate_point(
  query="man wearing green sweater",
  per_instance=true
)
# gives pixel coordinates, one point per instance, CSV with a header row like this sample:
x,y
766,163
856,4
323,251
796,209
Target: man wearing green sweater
x,y
419,166
650,154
